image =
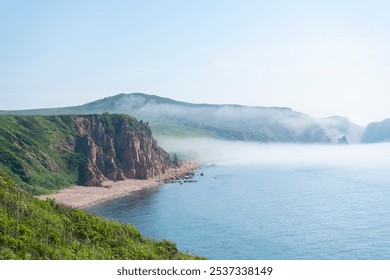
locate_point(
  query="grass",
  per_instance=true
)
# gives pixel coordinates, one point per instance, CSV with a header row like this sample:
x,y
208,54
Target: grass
x,y
173,129
35,229
37,151
37,155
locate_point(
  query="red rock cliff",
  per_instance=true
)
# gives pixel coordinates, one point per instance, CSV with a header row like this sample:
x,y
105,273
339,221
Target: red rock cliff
x,y
116,147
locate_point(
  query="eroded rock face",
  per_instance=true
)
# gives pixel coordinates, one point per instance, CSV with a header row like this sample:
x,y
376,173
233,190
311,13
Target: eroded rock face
x,y
117,147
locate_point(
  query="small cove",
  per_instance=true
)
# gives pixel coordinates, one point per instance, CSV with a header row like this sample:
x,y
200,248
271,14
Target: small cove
x,y
268,211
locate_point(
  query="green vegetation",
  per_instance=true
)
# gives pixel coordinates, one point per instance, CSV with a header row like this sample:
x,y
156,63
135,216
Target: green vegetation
x,y
37,151
37,155
35,229
168,128
172,118
112,121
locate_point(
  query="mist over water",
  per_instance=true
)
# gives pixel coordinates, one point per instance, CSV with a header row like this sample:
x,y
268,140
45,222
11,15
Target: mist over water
x,y
269,201
207,150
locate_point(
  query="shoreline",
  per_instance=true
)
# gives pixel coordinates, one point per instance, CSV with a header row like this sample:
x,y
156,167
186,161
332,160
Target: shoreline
x,y
82,197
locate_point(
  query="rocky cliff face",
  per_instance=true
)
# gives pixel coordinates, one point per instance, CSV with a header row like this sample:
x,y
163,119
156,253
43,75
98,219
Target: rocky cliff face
x,y
116,147
229,122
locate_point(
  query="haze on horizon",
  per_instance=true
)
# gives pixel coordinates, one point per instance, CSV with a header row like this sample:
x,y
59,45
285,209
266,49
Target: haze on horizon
x,y
215,151
321,58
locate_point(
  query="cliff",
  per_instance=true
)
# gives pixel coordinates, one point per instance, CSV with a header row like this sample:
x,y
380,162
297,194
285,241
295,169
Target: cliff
x,y
377,132
172,118
43,153
117,147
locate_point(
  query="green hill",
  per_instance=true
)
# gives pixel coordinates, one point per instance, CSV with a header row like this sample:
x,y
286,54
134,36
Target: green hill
x,y
35,229
172,118
36,151
39,154
45,153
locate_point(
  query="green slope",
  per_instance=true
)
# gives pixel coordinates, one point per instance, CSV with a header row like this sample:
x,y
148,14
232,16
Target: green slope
x,y
37,156
34,229
36,151
169,117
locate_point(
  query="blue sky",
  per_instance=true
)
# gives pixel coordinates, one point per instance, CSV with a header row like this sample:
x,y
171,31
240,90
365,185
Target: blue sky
x,y
319,57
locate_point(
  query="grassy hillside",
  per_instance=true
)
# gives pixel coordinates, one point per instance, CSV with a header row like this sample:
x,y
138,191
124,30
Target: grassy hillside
x,y
36,151
34,229
172,118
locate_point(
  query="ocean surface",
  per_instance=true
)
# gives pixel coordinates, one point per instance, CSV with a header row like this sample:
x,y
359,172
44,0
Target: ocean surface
x,y
249,210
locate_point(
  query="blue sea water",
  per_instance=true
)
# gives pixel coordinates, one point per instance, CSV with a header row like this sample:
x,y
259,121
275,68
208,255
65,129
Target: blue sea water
x,y
267,211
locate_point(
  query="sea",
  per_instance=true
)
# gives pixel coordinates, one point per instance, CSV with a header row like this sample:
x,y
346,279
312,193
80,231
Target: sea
x,y
306,203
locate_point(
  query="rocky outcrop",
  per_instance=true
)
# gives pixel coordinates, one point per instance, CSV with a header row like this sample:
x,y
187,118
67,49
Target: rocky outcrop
x,y
116,147
343,140
229,122
377,132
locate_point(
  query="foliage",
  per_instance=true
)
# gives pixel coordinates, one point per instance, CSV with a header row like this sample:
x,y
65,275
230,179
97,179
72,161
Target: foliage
x,y
38,152
36,229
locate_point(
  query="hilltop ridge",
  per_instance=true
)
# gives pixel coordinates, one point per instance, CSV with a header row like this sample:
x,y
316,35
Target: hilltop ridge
x,y
168,117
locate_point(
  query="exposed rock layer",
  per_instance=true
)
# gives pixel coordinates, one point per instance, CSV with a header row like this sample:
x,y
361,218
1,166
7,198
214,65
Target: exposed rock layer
x,y
116,147
169,117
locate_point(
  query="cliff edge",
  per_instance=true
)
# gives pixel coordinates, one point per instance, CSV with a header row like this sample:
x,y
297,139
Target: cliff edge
x,y
117,147
44,153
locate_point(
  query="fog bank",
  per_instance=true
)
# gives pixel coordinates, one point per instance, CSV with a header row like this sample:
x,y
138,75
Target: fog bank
x,y
206,150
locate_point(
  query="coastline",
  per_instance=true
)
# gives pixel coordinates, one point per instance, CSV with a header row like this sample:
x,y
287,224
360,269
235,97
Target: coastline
x,y
82,197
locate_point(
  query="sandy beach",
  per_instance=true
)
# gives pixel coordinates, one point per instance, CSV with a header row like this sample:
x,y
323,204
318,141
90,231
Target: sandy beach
x,y
81,197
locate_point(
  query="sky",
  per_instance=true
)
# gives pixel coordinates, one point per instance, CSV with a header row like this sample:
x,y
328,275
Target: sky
x,y
321,58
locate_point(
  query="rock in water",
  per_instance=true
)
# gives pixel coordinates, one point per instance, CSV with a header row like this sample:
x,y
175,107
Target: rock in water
x,y
343,140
